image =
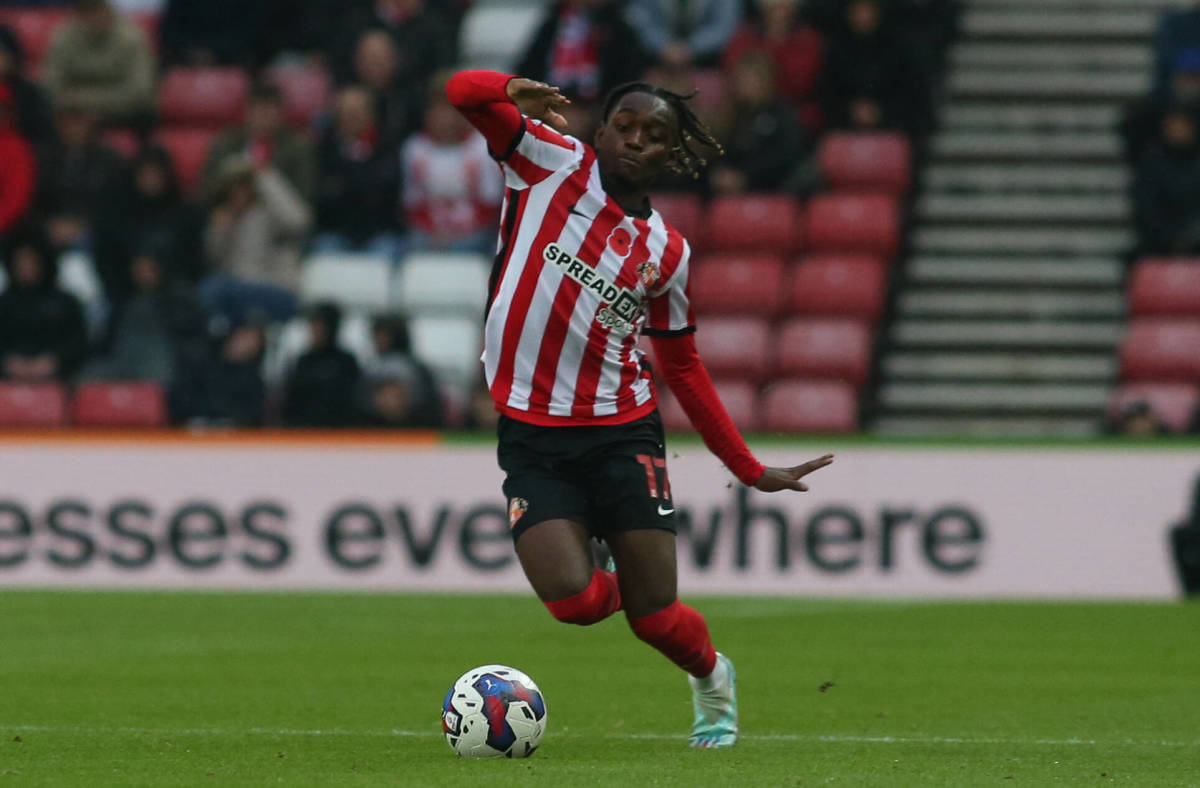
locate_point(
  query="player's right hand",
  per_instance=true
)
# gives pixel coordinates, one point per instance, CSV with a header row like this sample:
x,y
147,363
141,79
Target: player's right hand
x,y
539,101
776,479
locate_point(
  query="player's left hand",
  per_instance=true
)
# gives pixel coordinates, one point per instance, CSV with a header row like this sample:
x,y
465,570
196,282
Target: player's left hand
x,y
776,479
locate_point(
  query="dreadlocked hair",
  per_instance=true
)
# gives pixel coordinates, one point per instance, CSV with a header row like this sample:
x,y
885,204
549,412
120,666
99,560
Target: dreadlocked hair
x,y
693,132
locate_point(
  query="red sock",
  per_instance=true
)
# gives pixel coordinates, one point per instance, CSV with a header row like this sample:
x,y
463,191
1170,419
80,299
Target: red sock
x,y
680,633
595,603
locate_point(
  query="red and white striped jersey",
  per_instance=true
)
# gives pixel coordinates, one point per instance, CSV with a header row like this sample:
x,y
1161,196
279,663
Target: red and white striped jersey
x,y
576,281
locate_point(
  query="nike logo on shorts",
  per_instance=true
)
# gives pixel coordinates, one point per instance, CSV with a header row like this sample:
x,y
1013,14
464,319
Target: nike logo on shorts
x,y
665,512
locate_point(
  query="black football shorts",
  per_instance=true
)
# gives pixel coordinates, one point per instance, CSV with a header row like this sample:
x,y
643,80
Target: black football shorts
x,y
607,478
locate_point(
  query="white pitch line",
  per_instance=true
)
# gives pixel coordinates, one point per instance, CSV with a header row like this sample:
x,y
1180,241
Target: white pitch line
x,y
789,737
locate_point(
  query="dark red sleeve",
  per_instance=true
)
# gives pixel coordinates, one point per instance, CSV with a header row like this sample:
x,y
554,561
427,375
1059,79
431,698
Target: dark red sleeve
x,y
482,99
689,380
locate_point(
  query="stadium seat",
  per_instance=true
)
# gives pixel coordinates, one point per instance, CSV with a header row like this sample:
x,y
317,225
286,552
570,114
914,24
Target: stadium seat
x,y
494,35
828,348
350,280
856,223
1161,349
441,283
810,406
451,346
735,347
1173,403
739,397
305,90
133,404
32,405
866,161
188,149
35,30
203,97
737,284
1165,287
684,212
844,285
754,222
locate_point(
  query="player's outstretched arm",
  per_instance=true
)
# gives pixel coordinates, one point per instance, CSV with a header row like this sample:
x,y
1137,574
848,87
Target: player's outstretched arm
x,y
494,102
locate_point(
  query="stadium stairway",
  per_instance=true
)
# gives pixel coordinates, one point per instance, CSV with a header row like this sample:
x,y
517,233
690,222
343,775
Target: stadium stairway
x,y
1010,306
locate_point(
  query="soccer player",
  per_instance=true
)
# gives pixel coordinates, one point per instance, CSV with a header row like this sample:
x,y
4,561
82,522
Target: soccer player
x,y
585,265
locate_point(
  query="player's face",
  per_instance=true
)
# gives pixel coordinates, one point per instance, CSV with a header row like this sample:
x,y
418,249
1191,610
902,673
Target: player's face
x,y
637,141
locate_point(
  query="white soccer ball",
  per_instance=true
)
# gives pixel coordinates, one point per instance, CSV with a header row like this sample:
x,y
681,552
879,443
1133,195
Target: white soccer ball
x,y
494,710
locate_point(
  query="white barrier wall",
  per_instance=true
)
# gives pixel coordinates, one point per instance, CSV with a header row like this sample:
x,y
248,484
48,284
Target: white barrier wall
x,y
879,522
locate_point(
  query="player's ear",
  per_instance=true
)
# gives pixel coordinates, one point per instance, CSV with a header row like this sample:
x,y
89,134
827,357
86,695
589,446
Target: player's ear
x,y
599,135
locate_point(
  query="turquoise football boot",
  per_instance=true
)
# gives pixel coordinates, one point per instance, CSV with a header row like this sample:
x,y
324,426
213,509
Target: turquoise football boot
x,y
714,700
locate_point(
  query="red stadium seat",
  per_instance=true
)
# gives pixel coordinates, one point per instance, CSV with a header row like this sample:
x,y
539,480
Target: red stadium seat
x,y
810,406
1161,349
739,397
35,30
866,161
754,223
844,285
137,404
737,284
735,347
834,349
1173,403
305,92
188,149
863,223
203,97
32,405
1165,287
685,213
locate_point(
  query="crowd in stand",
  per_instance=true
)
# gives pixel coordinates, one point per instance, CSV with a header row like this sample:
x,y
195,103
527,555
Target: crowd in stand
x,y
194,279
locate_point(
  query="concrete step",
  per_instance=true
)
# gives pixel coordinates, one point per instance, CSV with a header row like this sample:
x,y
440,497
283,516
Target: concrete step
x,y
1026,146
1015,271
1061,56
1013,303
1095,367
978,82
989,426
1031,208
1070,178
1021,23
1025,116
1044,241
945,397
914,333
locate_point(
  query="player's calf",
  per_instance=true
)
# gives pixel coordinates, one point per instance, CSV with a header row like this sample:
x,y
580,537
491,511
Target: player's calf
x,y
595,603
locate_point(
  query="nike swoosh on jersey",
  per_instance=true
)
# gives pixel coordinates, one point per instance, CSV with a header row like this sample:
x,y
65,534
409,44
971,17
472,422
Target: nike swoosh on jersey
x,y
575,211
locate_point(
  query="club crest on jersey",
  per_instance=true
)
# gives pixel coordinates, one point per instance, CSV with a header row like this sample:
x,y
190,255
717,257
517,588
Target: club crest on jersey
x,y
516,509
648,273
621,304
620,242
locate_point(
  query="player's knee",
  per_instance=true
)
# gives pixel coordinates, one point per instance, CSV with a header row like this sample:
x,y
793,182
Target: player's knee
x,y
596,601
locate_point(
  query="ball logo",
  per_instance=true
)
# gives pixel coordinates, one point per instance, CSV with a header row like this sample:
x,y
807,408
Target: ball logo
x,y
620,241
516,508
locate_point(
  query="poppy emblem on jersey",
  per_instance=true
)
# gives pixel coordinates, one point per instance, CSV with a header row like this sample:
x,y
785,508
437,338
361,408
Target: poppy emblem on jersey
x,y
516,508
620,241
648,273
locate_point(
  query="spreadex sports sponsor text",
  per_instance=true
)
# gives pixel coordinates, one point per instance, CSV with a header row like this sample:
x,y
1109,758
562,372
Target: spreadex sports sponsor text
x,y
360,536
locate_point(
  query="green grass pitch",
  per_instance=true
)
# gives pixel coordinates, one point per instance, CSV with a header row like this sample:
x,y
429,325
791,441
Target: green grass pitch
x,y
332,689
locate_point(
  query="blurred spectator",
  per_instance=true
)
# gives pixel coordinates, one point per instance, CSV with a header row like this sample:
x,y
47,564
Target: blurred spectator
x,y
213,32
1137,419
584,47
1178,30
481,408
926,28
153,328
223,386
684,34
421,46
795,47
1166,190
401,391
77,173
1142,122
765,147
30,105
321,389
42,333
253,242
18,170
102,63
264,138
147,210
301,27
868,80
359,180
452,187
